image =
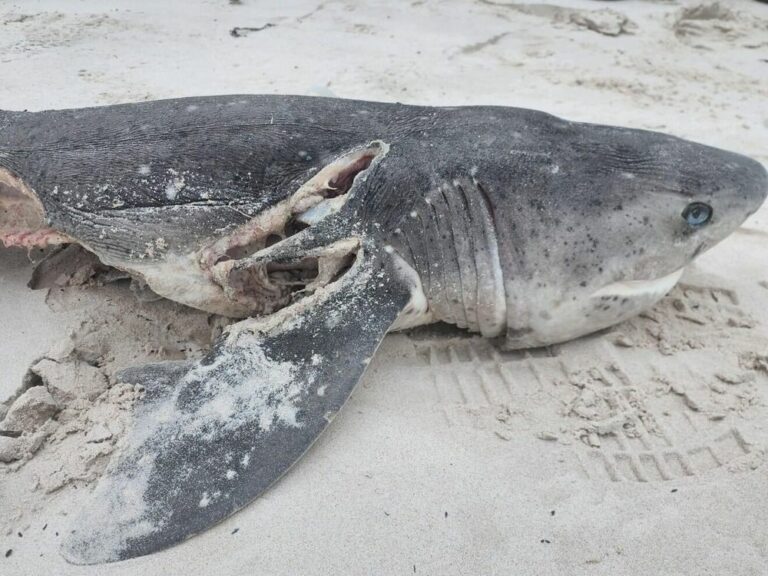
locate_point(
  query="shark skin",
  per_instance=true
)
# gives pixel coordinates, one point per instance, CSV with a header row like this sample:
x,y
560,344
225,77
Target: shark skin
x,y
322,224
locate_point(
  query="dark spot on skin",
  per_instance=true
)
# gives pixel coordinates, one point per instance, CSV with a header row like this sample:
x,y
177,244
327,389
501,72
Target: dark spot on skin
x,y
583,283
518,332
8,552
538,205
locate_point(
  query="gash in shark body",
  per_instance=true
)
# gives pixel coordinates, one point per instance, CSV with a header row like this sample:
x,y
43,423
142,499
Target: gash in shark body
x,y
327,223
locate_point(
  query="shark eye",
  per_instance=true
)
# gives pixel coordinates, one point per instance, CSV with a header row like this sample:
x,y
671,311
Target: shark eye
x,y
696,214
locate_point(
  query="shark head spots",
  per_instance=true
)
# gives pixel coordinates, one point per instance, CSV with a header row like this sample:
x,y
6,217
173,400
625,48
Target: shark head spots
x,y
636,209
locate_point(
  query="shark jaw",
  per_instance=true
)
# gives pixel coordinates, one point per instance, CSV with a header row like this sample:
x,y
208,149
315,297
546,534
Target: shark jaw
x,y
653,289
565,319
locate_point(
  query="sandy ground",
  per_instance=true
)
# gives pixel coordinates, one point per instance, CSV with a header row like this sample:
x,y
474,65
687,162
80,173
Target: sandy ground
x,y
641,450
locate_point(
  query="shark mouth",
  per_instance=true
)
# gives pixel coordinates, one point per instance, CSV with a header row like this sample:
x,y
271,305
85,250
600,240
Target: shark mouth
x,y
605,307
22,217
654,289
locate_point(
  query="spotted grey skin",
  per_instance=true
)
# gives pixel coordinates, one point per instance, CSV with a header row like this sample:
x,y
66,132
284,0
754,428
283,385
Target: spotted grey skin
x,y
329,222
542,211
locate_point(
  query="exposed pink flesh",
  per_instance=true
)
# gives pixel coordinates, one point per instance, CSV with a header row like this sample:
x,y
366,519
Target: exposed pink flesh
x,y
333,180
22,218
34,239
263,289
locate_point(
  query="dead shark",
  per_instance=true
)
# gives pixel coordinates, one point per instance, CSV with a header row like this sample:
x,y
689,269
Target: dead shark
x,y
325,223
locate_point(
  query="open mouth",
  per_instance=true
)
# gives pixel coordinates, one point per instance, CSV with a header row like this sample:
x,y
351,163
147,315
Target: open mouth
x,y
22,218
641,289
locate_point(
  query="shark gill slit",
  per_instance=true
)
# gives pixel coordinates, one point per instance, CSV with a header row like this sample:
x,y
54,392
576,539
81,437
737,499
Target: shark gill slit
x,y
460,272
466,268
465,248
492,303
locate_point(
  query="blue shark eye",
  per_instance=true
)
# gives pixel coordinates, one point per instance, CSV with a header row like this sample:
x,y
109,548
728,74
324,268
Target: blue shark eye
x,y
696,214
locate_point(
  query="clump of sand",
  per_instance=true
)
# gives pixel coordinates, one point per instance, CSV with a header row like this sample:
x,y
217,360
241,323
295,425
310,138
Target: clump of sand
x,y
68,416
718,22
603,20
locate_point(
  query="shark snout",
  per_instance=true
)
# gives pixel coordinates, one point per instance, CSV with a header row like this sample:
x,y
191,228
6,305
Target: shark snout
x,y
742,179
756,185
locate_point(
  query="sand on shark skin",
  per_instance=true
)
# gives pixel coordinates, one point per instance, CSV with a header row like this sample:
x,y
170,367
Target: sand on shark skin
x,y
711,329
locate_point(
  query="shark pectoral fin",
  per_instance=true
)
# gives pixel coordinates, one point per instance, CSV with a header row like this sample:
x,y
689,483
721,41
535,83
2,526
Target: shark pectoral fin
x,y
211,436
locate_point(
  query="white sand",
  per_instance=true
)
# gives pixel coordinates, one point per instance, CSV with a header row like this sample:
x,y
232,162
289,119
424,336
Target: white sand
x,y
638,451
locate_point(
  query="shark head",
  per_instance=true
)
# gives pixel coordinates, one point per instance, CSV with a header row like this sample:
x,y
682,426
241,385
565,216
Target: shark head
x,y
618,215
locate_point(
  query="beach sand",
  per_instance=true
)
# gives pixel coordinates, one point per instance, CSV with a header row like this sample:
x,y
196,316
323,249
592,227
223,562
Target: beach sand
x,y
638,450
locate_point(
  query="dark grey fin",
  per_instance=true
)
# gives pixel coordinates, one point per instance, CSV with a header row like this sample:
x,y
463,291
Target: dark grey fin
x,y
211,436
